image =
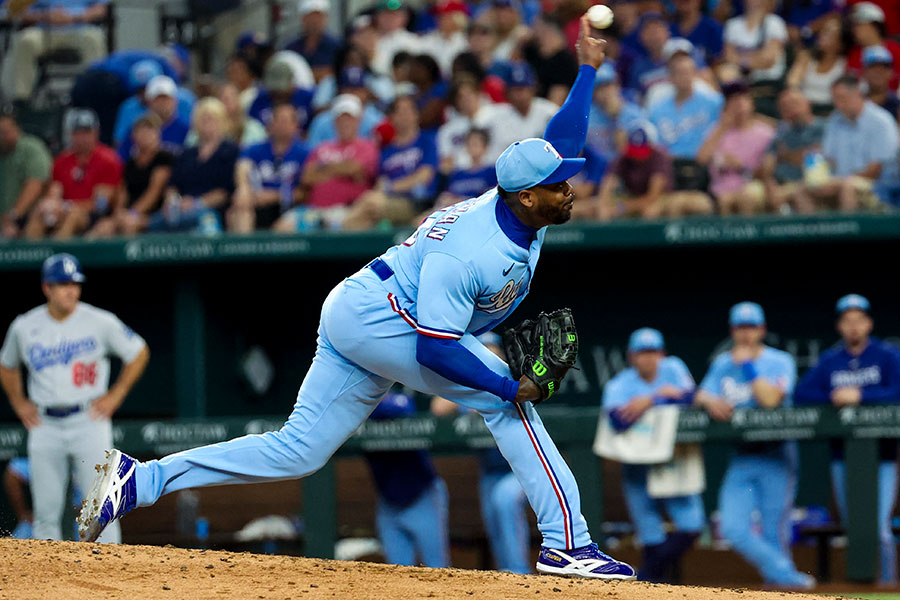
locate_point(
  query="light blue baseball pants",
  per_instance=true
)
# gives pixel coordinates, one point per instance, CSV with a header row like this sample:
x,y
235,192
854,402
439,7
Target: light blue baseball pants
x,y
767,484
686,512
366,344
419,529
503,511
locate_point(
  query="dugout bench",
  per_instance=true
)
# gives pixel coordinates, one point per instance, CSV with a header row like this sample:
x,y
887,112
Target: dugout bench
x,y
572,429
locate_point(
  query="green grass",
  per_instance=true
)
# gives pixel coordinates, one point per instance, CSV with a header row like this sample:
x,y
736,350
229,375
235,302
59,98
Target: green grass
x,y
873,596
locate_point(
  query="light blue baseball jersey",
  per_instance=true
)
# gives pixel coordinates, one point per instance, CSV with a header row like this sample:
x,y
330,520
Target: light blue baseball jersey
x,y
684,127
472,271
726,379
627,384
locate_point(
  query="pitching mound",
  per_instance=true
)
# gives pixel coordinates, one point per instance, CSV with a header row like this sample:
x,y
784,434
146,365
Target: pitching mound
x,y
72,571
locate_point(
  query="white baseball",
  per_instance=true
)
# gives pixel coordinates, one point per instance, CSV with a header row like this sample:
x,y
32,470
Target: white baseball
x,y
600,16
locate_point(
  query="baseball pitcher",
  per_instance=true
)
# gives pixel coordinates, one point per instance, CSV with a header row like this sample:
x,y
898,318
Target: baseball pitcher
x,y
411,316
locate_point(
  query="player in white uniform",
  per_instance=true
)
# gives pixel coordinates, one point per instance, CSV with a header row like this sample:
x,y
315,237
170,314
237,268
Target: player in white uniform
x,y
64,347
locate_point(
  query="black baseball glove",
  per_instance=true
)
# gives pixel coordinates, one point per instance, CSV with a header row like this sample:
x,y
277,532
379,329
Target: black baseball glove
x,y
543,349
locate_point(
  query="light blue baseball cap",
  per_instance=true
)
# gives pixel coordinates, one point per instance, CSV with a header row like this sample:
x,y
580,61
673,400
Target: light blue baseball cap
x,y
852,301
746,314
532,162
877,55
646,339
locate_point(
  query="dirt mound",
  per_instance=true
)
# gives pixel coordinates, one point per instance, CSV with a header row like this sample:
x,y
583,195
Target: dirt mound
x,y
73,571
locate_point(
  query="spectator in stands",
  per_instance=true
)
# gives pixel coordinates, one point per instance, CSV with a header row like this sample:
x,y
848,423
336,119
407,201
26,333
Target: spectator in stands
x,y
653,379
352,81
137,105
638,183
391,19
243,130
336,172
610,115
815,70
798,134
684,120
861,147
146,176
807,18
105,84
24,172
649,66
267,177
431,93
202,176
664,88
449,39
315,44
869,30
704,32
761,476
549,56
160,95
468,110
492,86
53,25
85,176
243,74
878,69
406,182
350,56
734,152
756,41
525,116
412,510
860,370
482,39
474,180
279,88
508,29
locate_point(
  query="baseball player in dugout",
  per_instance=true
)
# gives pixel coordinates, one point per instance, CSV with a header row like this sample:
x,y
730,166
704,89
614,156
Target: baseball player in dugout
x,y
761,476
861,369
654,379
412,316
64,346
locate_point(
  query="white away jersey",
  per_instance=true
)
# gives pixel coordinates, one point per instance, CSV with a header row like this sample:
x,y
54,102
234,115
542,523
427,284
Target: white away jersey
x,y
67,361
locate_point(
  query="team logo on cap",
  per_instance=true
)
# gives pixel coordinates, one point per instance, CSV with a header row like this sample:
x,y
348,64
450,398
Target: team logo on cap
x,y
549,148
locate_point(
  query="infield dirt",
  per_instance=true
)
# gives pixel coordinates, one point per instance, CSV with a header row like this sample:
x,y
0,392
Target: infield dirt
x,y
45,570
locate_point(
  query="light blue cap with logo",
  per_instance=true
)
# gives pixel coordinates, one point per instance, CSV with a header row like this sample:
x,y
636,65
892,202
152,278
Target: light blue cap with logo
x,y
532,162
646,339
852,301
747,314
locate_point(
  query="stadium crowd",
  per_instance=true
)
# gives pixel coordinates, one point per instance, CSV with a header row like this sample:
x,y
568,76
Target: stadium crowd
x,y
703,107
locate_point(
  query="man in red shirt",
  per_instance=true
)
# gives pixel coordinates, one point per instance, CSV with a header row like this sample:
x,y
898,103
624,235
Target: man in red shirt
x,y
870,29
85,176
336,172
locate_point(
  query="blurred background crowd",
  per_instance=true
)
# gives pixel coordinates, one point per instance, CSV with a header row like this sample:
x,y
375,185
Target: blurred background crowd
x,y
703,107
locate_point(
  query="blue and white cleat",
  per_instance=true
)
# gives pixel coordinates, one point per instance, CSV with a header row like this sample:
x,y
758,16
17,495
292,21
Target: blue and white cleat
x,y
112,495
587,561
